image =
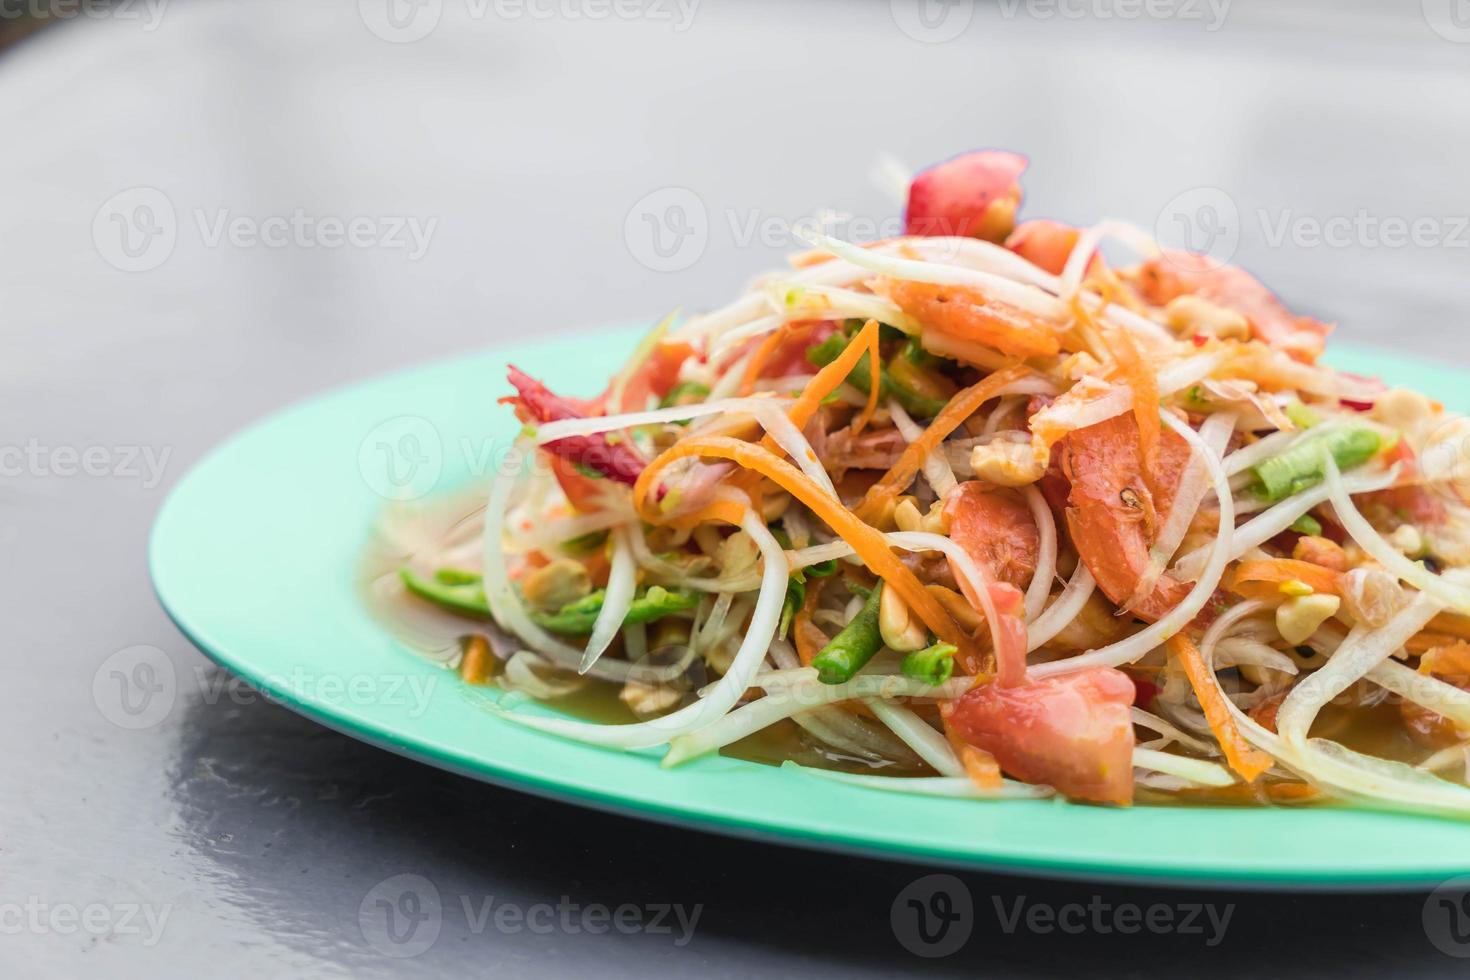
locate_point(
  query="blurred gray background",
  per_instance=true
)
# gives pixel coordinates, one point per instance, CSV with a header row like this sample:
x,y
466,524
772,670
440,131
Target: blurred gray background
x,y
211,209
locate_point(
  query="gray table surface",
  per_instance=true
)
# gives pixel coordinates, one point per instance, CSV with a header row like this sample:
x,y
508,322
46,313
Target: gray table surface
x,y
536,144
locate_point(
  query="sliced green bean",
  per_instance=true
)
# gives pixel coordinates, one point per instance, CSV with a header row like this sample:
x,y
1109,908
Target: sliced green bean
x,y
932,665
852,648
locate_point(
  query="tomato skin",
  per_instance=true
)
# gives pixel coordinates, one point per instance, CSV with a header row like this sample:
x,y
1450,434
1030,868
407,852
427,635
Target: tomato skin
x,y
1073,732
995,527
1411,502
789,357
1048,244
973,195
656,377
583,492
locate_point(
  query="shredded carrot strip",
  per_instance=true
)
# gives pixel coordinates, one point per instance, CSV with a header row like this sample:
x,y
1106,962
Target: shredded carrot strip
x,y
831,377
762,355
1454,624
1243,757
1424,641
875,381
960,408
1139,376
1262,578
869,543
1452,661
808,636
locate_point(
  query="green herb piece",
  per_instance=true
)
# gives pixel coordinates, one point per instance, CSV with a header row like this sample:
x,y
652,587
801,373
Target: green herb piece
x,y
795,599
692,390
584,544
1304,465
1306,524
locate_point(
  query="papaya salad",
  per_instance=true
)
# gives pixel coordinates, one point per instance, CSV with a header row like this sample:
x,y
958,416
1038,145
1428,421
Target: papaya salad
x,y
996,508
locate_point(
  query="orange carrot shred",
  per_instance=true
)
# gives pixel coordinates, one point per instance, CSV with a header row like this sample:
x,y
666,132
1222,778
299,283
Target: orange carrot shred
x,y
761,356
1244,758
867,541
809,637
875,379
1262,578
1139,376
959,408
831,377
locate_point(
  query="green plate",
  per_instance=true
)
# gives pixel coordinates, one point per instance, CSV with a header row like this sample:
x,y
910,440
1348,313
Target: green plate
x,y
254,556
